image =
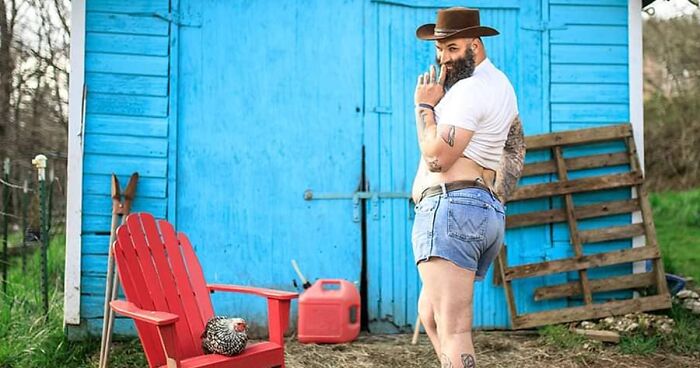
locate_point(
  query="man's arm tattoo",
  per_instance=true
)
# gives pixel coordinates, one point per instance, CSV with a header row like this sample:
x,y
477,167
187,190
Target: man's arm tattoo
x,y
468,361
449,136
511,165
434,165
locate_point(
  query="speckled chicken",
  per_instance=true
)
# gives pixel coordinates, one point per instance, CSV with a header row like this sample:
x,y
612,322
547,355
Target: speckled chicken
x,y
225,336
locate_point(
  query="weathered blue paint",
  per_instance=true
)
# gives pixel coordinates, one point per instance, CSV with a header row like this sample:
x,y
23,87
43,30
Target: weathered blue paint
x,y
231,110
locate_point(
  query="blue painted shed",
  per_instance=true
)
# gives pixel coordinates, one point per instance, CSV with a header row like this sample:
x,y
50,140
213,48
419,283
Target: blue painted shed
x,y
279,130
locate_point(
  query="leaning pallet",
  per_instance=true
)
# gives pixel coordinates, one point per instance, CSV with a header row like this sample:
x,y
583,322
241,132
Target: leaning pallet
x,y
654,282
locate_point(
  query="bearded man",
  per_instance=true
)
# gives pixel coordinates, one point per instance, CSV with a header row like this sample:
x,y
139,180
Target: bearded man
x,y
472,152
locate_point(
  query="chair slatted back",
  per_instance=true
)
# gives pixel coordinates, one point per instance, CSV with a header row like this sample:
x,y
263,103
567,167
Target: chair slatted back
x,y
159,271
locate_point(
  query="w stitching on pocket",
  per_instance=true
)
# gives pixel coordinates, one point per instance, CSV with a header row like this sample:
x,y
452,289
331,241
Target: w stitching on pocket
x,y
464,227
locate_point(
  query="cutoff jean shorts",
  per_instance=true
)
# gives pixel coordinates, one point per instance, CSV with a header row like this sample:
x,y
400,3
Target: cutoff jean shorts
x,y
465,227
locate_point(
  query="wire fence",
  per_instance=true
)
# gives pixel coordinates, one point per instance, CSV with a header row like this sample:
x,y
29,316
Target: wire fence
x,y
32,211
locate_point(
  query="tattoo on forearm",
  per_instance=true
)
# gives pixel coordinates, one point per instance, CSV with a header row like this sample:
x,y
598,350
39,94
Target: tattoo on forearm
x,y
445,360
468,361
511,165
434,165
449,136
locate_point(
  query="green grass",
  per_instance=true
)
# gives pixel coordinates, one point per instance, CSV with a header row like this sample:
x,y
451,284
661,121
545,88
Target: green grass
x,y
28,339
677,219
560,337
639,344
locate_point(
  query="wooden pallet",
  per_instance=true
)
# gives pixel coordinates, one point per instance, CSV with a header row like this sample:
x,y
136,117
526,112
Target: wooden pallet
x,y
571,214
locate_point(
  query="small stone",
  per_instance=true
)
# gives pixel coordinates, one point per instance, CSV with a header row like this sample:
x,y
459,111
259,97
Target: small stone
x,y
631,327
587,325
685,293
609,320
688,303
696,309
665,328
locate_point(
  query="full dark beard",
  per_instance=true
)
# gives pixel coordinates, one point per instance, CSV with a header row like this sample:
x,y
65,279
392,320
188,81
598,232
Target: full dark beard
x,y
461,68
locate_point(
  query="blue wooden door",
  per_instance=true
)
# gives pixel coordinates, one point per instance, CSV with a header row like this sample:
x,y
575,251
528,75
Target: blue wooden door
x,y
270,99
394,58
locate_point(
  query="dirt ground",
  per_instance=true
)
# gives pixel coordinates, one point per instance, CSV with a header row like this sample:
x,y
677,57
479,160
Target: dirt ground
x,y
494,349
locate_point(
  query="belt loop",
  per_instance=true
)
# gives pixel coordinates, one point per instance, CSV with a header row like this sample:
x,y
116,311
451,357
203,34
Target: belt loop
x,y
444,189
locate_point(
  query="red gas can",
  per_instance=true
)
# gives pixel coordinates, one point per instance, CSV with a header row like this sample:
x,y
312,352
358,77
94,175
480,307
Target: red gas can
x,y
329,312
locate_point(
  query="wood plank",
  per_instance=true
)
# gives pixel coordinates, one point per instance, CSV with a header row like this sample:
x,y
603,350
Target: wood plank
x,y
600,335
585,262
589,54
124,166
119,43
577,163
577,116
132,7
575,186
147,188
116,144
599,93
127,84
594,311
634,281
127,125
587,73
590,34
581,136
573,225
123,23
612,233
583,212
126,64
502,260
647,218
126,105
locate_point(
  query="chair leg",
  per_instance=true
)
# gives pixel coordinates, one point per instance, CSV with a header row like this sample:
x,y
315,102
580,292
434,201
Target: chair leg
x,y
278,315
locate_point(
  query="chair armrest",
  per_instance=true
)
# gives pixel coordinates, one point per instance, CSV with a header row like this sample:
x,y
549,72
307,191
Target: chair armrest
x,y
268,293
128,309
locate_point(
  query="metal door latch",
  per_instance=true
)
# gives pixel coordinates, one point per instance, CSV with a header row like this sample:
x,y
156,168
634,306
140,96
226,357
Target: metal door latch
x,y
356,200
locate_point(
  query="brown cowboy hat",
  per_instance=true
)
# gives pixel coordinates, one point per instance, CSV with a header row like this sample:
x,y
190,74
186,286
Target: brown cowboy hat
x,y
455,22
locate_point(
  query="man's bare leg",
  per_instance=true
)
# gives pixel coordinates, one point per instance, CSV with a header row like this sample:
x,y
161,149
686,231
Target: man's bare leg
x,y
427,317
449,289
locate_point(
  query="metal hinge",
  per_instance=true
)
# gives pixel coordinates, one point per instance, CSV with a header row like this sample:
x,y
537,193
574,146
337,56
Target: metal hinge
x,y
173,17
544,26
177,18
356,200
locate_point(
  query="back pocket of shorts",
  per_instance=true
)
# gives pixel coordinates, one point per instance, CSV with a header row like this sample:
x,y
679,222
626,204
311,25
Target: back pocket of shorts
x,y
467,218
423,220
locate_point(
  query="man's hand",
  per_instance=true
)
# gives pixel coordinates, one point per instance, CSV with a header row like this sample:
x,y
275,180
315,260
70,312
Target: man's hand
x,y
430,89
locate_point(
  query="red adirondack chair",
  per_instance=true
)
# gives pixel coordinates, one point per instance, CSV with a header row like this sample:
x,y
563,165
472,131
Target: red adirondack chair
x,y
169,300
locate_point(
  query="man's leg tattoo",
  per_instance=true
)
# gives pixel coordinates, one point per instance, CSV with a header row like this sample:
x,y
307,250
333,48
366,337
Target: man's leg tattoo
x,y
446,363
468,361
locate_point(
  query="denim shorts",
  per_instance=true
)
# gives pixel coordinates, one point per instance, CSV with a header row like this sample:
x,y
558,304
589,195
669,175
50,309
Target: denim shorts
x,y
464,226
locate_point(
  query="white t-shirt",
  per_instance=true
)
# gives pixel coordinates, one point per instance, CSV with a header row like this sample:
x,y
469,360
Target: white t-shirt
x,y
484,103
